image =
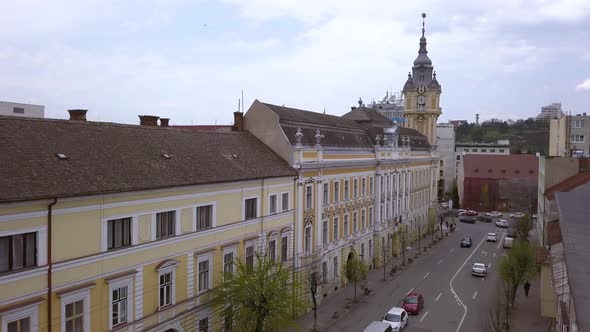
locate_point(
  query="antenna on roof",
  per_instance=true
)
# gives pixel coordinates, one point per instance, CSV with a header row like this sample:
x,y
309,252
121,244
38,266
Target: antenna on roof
x,y
324,109
242,100
239,104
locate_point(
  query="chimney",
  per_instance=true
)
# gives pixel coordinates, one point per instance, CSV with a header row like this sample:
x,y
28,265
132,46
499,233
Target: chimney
x,y
78,115
238,122
164,122
148,120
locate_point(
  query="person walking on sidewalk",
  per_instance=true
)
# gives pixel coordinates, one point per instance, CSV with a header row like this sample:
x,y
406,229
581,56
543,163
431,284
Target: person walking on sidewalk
x,y
527,286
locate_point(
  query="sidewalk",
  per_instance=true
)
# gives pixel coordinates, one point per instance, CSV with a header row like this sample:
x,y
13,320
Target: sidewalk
x,y
526,316
340,302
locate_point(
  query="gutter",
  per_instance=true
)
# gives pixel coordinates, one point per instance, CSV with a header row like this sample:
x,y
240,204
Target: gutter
x,y
49,261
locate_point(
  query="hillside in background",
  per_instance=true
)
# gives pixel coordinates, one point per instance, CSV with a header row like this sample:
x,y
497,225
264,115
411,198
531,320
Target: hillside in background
x,y
526,136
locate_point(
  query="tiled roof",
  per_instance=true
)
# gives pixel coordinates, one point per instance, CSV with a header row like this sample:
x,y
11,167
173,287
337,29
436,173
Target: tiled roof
x,y
207,128
288,114
363,114
107,157
332,138
568,184
501,166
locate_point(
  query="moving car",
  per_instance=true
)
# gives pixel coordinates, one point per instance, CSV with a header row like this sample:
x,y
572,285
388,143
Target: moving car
x,y
413,303
508,242
397,318
517,215
469,220
466,242
471,213
491,237
502,223
378,327
494,214
479,269
461,212
484,218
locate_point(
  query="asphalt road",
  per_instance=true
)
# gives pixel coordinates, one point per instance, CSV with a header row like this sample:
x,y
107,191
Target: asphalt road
x,y
454,300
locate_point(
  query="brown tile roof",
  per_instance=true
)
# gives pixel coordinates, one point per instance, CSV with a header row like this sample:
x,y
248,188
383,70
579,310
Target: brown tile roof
x,y
107,157
333,138
288,114
568,184
362,114
207,128
501,166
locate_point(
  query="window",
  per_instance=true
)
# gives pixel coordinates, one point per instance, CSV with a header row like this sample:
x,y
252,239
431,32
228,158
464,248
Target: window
x,y
501,150
493,150
363,220
307,239
335,228
440,173
466,150
382,186
119,305
18,251
371,186
484,150
336,191
228,320
165,222
324,272
203,275
272,250
458,157
346,190
364,187
354,222
325,232
250,257
362,251
370,248
355,188
21,325
228,265
325,198
285,202
250,208
119,233
18,110
335,267
204,324
166,280
308,197
370,216
204,217
577,138
284,248
575,123
346,225
272,204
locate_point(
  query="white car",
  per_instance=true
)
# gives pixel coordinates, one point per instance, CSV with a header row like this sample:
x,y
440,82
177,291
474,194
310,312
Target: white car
x,y
479,269
444,204
461,212
502,223
517,215
494,214
491,237
397,318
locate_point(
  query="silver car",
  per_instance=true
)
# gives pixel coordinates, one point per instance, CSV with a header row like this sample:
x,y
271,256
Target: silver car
x,y
479,269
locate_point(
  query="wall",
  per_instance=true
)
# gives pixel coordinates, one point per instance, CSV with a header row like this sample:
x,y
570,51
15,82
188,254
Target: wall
x,y
446,149
557,137
264,124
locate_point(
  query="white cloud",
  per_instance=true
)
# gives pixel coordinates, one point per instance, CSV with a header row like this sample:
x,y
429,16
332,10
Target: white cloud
x,y
584,86
261,45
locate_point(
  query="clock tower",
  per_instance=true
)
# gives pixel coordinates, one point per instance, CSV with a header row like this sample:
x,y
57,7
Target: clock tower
x,y
422,94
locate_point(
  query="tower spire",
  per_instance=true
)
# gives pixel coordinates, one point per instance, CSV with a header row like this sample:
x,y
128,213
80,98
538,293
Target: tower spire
x,y
423,19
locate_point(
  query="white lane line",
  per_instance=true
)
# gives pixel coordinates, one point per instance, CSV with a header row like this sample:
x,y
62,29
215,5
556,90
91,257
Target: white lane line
x,y
439,261
501,238
452,249
474,295
453,290
427,274
494,255
423,316
438,297
489,264
410,291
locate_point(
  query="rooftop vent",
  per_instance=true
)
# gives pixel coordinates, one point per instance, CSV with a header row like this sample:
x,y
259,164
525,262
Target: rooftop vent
x,y
164,122
78,115
234,156
61,156
148,120
166,155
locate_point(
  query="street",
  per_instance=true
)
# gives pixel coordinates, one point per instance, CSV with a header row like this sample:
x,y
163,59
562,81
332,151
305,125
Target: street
x,y
454,300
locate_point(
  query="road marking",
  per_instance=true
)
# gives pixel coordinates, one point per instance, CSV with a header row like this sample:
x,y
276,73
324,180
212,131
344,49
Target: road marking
x,y
427,274
410,291
453,290
489,264
439,261
499,244
474,295
494,255
452,249
438,297
426,313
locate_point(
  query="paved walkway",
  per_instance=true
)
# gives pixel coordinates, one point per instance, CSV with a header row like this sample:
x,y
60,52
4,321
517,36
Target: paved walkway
x,y
526,316
340,302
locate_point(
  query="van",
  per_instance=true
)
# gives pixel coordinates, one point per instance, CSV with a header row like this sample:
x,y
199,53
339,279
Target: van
x,y
378,327
508,242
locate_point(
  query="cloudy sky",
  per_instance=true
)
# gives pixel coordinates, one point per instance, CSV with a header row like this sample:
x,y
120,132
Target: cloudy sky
x,y
190,60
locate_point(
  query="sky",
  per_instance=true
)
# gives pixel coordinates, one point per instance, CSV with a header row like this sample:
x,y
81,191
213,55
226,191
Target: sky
x,y
191,60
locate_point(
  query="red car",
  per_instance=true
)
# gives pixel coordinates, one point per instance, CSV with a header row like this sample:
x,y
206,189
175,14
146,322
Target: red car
x,y
471,213
413,303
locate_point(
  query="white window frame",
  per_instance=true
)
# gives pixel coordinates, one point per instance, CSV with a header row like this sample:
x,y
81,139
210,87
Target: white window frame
x,y
355,222
370,216
308,205
346,190
337,191
134,231
31,311
335,228
154,224
307,244
364,186
577,138
274,238
258,212
202,258
346,225
118,283
168,268
213,215
277,204
280,206
84,295
285,235
284,208
325,231
230,250
335,266
248,244
41,239
363,219
326,193
355,188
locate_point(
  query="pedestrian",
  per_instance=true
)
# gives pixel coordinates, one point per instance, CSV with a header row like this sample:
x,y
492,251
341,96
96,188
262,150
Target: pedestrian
x,y
527,286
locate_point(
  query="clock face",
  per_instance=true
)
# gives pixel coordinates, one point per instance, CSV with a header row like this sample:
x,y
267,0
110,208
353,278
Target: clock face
x,y
421,100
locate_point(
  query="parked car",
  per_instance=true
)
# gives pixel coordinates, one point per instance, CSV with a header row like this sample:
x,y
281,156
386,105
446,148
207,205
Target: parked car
x,y
484,218
508,242
502,223
378,327
469,220
397,318
479,269
491,237
413,303
471,213
466,242
461,212
494,214
517,215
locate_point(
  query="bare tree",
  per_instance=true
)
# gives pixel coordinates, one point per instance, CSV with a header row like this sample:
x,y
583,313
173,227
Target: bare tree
x,y
523,227
403,238
498,315
384,253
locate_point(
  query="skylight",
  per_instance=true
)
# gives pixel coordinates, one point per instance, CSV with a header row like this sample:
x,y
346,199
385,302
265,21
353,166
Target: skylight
x,y
233,155
166,155
61,156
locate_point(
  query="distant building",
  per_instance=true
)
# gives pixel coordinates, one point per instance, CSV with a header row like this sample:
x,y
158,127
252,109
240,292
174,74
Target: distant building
x,y
457,123
552,111
391,107
501,147
499,182
20,109
446,150
569,136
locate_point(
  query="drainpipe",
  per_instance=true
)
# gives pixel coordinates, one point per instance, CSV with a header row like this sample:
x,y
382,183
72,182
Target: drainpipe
x,y
49,263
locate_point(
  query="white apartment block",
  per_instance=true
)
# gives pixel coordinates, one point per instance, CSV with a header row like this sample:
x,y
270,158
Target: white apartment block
x,y
20,109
